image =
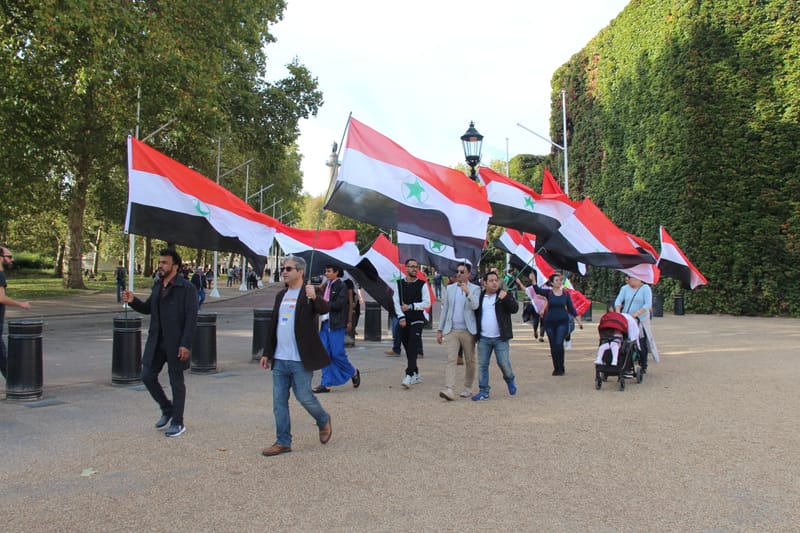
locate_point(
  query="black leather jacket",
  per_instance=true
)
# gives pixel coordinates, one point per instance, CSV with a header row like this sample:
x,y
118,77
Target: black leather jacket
x,y
339,305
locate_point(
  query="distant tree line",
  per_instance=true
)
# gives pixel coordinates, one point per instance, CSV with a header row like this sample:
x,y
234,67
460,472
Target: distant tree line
x,y
80,76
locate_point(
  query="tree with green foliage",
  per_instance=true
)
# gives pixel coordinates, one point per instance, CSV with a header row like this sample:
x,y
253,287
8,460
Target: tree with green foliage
x,y
74,74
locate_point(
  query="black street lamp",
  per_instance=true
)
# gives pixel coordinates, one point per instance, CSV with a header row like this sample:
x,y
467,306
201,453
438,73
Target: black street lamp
x,y
472,141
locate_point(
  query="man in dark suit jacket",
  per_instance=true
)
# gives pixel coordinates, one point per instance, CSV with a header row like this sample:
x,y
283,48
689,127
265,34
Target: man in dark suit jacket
x,y
493,317
293,350
172,307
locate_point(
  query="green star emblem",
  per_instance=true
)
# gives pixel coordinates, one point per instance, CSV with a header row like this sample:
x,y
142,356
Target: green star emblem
x,y
415,190
436,247
529,203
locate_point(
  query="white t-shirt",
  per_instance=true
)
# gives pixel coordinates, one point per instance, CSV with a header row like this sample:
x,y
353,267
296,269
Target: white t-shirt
x,y
489,326
287,343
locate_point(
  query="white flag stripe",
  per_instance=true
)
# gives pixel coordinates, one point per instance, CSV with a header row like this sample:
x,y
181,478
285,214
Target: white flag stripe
x,y
447,252
506,194
154,190
347,253
360,170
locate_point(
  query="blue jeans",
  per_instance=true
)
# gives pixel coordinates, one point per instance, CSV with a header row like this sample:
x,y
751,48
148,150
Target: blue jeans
x,y
120,288
501,351
556,333
396,345
293,375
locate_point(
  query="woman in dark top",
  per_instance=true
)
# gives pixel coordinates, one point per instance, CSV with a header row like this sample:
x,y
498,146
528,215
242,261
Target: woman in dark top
x,y
556,320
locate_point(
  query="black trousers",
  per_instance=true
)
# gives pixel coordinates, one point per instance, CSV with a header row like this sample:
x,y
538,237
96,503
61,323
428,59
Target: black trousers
x,y
411,338
150,380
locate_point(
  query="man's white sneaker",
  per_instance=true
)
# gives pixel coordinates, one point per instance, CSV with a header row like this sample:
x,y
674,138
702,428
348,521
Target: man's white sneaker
x,y
406,382
466,393
415,379
447,394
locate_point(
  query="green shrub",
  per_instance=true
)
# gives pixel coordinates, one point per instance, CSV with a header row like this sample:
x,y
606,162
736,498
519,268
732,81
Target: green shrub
x,y
32,261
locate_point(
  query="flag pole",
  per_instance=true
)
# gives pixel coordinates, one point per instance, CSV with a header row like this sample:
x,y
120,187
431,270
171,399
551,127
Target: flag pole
x,y
333,162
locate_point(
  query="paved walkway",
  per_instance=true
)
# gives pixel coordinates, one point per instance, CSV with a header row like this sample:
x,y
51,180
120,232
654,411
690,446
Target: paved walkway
x,y
708,442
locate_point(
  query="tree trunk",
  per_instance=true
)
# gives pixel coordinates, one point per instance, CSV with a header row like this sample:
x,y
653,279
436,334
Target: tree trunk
x,y
74,275
98,237
60,259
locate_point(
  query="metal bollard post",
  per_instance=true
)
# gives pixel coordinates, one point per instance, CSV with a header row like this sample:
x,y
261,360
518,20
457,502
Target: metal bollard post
x,y
204,346
25,371
658,304
372,321
262,319
679,305
126,358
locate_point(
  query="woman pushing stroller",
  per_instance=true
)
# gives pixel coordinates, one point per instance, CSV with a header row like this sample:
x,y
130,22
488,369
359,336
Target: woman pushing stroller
x,y
557,317
635,298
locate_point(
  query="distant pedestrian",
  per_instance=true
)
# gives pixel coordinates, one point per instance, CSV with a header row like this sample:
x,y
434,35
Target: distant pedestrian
x,y
173,308
437,284
493,317
6,260
119,276
199,282
294,350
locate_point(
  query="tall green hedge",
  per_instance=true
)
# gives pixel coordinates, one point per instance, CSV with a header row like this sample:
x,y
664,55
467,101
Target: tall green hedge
x,y
687,114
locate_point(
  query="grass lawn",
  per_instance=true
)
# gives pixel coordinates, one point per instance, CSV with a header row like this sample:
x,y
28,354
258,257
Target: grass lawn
x,y
30,285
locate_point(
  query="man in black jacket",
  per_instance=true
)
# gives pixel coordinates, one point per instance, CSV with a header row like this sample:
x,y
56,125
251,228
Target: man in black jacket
x,y
172,307
493,318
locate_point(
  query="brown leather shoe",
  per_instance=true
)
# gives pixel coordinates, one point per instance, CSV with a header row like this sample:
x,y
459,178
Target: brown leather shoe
x,y
326,432
275,449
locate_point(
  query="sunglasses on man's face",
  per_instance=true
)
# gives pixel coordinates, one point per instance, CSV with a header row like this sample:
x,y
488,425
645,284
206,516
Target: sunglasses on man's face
x,y
288,269
461,271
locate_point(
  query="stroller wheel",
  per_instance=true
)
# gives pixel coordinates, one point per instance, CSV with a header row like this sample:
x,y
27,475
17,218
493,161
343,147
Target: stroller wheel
x,y
598,383
622,384
639,375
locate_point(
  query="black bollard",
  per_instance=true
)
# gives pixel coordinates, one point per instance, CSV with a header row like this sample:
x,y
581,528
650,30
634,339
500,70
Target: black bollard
x,y
25,372
372,321
204,346
658,304
261,321
679,305
126,358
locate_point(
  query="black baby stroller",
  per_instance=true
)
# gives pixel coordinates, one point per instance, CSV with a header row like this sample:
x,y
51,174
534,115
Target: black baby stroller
x,y
617,354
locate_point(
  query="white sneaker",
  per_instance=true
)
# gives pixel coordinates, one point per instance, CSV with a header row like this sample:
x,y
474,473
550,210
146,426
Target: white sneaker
x,y
415,379
568,345
466,393
406,382
447,394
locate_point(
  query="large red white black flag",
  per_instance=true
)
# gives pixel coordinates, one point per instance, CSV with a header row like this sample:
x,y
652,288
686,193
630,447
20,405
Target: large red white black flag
x,y
382,184
171,202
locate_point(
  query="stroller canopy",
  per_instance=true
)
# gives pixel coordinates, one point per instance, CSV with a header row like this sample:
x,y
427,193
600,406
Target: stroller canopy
x,y
614,321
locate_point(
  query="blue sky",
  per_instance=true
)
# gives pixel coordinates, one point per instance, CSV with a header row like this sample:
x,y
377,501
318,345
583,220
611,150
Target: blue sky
x,y
419,73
